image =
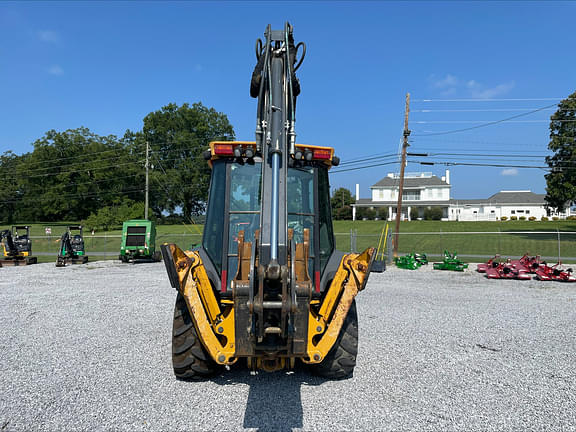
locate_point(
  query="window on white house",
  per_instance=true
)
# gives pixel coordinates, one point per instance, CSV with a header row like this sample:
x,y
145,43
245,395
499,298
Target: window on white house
x,y
411,195
492,211
527,211
513,211
520,211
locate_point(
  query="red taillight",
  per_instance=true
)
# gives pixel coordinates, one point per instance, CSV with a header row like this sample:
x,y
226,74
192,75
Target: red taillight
x,y
322,154
223,150
224,281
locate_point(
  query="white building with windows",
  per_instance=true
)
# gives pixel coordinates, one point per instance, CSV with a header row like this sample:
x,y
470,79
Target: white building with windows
x,y
507,204
421,191
425,190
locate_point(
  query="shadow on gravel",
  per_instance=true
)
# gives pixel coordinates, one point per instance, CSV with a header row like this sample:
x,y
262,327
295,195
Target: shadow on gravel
x,y
274,402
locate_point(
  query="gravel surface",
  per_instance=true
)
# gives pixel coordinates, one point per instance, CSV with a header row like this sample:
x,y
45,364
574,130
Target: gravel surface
x,y
88,348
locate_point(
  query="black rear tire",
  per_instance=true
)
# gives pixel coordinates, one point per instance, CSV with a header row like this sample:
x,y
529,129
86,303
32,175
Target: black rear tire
x,y
190,359
341,359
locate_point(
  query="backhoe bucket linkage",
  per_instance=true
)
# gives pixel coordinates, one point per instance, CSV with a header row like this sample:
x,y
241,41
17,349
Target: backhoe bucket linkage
x,y
214,320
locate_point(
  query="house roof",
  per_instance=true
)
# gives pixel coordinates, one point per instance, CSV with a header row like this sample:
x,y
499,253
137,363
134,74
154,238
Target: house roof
x,y
411,182
365,202
502,197
507,197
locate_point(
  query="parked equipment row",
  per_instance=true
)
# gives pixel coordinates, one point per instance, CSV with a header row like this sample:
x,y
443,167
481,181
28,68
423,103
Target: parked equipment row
x,y
138,245
524,268
414,261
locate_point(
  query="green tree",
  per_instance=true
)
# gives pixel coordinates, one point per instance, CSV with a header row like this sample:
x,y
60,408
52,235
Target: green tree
x,y
365,212
178,135
73,173
343,213
561,181
433,213
110,217
382,213
341,198
10,186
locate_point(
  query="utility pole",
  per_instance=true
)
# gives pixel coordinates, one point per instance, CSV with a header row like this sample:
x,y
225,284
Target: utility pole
x,y
146,199
402,165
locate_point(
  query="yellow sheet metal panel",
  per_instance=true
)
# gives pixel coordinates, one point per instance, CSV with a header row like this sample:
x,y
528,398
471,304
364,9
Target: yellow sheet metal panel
x,y
215,327
350,278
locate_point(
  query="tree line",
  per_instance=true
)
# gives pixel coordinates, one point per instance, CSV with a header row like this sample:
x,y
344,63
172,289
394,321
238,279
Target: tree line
x,y
561,180
77,175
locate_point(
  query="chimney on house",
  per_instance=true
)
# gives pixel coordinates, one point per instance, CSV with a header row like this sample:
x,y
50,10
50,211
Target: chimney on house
x,y
448,176
357,191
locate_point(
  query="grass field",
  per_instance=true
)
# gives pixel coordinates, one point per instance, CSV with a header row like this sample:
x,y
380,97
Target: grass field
x,y
537,238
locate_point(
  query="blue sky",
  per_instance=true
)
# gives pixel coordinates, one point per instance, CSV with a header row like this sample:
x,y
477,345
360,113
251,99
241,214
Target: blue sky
x,y
105,65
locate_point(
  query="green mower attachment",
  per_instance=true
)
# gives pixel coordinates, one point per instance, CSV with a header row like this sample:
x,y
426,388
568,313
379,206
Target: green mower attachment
x,y
451,262
411,261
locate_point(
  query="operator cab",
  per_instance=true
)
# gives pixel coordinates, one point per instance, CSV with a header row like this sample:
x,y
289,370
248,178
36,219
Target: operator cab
x,y
76,240
77,243
21,238
237,181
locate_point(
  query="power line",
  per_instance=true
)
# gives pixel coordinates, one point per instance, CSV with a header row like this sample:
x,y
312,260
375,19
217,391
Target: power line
x,y
483,155
83,169
482,110
484,150
82,195
74,171
490,165
74,165
487,124
491,99
363,167
479,141
488,121
26,199
125,151
362,158
89,154
368,159
111,179
481,164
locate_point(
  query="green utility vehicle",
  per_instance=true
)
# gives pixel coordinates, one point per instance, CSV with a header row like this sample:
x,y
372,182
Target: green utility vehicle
x,y
139,241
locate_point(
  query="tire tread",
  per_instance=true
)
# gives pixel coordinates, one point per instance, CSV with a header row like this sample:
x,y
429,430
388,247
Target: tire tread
x,y
340,361
189,357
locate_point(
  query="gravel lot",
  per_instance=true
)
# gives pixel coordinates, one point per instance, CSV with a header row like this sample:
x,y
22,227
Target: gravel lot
x,y
88,348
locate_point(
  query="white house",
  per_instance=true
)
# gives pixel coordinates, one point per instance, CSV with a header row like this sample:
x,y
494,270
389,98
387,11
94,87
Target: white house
x,y
424,190
502,204
421,191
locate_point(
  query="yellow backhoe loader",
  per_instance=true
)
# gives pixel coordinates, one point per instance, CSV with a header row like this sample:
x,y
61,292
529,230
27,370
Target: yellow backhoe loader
x,y
267,285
